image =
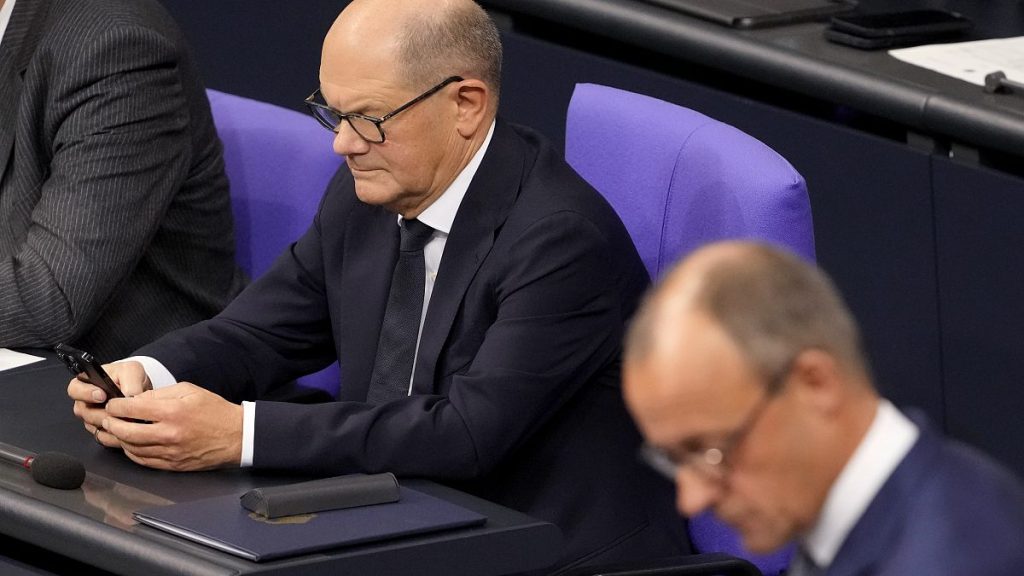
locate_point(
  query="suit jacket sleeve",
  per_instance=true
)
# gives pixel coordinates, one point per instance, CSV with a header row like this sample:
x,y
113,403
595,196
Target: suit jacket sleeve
x,y
120,151
276,330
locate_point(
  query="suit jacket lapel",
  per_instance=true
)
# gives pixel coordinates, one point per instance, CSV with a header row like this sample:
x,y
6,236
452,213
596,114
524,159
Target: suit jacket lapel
x,y
884,518
371,250
19,43
487,203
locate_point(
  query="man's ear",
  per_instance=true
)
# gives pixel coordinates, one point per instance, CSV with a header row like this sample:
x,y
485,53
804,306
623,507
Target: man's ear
x,y
820,381
473,101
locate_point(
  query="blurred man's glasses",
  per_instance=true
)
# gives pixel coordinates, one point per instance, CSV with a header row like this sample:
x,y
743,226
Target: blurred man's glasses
x,y
367,127
713,463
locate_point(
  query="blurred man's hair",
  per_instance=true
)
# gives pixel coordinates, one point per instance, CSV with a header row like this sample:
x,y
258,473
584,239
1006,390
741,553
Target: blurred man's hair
x,y
770,302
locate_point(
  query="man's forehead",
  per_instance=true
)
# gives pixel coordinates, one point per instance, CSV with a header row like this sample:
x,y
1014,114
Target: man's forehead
x,y
694,361
678,407
355,74
688,337
349,52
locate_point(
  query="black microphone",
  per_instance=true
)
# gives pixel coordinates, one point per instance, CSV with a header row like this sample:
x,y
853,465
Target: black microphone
x,y
53,469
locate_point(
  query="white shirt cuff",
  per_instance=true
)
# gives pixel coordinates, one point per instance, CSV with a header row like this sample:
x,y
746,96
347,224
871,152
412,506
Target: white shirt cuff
x,y
159,375
248,427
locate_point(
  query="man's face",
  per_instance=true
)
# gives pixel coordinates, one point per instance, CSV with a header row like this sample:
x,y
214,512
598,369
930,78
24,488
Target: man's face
x,y
419,157
694,392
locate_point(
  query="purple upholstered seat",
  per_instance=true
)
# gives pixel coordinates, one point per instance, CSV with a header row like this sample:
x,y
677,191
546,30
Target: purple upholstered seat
x,y
278,164
678,180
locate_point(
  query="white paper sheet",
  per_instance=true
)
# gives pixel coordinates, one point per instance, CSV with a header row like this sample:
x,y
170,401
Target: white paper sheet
x,y
970,61
11,359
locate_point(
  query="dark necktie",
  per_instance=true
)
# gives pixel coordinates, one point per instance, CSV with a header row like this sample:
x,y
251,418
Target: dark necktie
x,y
396,349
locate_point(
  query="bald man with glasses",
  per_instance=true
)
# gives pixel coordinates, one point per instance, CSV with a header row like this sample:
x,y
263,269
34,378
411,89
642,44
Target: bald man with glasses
x,y
473,288
745,373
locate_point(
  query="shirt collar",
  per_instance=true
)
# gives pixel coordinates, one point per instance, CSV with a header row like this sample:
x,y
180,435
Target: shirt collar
x,y
886,443
441,213
5,17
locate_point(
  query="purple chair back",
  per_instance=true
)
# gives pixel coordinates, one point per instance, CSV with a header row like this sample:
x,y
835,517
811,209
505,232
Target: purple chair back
x,y
679,180
278,164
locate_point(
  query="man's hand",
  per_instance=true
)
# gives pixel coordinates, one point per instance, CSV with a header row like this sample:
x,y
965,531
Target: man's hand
x,y
186,428
130,377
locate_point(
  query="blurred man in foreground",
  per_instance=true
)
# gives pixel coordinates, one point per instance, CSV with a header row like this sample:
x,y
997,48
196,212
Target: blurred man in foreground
x,y
745,373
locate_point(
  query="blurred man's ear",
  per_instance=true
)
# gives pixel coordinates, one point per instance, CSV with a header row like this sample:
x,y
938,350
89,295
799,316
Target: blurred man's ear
x,y
820,380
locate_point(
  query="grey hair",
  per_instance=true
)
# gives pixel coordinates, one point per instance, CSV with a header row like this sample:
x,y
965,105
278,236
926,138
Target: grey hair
x,y
458,40
772,304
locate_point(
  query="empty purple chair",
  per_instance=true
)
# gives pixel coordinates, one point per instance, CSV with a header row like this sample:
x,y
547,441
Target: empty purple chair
x,y
679,180
278,164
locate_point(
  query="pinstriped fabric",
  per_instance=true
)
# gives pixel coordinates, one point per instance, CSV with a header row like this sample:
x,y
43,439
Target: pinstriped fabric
x,y
115,221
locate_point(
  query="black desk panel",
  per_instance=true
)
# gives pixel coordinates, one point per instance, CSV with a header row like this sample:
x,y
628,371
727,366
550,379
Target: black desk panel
x,y
980,234
94,524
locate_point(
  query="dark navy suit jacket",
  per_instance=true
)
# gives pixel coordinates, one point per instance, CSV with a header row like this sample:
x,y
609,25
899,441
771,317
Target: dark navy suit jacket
x,y
516,392
947,510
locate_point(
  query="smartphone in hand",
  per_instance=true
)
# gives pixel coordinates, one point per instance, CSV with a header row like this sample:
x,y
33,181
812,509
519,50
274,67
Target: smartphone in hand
x,y
86,368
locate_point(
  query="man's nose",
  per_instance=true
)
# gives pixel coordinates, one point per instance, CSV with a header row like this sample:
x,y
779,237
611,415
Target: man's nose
x,y
695,492
347,141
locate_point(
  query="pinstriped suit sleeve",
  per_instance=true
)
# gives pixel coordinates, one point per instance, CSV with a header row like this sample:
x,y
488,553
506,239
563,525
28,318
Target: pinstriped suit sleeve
x,y
121,151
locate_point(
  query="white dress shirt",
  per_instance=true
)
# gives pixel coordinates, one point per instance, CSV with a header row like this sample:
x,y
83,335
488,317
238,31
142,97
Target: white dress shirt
x,y
886,443
5,17
440,215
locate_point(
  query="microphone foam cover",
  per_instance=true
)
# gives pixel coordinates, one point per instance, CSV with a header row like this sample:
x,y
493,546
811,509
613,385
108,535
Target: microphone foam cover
x,y
58,470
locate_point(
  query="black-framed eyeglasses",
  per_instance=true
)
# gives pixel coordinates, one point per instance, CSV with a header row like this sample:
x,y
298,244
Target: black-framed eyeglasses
x,y
713,463
367,127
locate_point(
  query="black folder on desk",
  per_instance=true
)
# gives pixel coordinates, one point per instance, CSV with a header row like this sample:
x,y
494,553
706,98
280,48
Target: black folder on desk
x,y
222,523
757,13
